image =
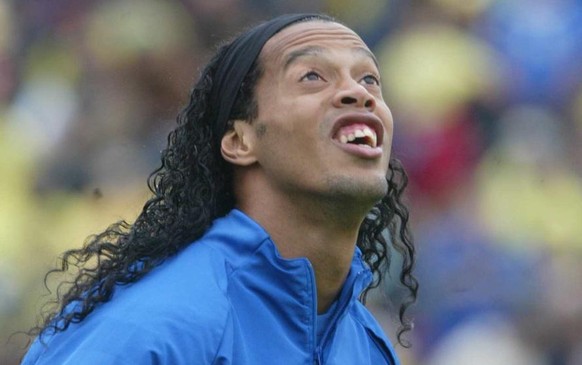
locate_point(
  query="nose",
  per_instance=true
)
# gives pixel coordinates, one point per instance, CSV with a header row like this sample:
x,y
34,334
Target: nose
x,y
353,94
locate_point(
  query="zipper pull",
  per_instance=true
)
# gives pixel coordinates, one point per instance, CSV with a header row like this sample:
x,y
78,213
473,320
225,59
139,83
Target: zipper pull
x,y
317,357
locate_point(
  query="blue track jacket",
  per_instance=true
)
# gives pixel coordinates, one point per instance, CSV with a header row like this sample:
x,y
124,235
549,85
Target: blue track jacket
x,y
228,298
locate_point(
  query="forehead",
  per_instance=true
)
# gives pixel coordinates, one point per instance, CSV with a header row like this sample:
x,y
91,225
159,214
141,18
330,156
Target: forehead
x,y
317,33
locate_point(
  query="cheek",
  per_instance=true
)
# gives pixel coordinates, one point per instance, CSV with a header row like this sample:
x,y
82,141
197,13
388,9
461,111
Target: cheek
x,y
386,116
291,142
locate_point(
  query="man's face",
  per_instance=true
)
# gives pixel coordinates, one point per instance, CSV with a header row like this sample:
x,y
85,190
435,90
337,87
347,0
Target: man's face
x,y
323,128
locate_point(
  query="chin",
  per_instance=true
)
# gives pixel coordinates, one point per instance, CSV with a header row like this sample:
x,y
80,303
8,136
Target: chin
x,y
358,190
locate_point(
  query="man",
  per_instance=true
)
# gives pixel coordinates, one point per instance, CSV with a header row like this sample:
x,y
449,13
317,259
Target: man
x,y
246,253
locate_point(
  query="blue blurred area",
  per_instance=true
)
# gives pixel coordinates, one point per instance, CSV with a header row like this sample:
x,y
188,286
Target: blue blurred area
x,y
487,101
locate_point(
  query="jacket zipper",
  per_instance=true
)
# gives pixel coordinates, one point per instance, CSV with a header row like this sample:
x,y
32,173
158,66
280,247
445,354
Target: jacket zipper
x,y
317,357
318,354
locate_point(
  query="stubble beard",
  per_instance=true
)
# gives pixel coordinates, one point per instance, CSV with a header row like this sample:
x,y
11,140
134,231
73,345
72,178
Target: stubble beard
x,y
351,193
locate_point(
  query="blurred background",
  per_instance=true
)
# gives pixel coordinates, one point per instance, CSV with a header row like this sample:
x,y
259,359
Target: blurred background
x,y
487,102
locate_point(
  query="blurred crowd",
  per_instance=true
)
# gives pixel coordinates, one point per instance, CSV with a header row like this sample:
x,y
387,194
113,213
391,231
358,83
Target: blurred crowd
x,y
487,102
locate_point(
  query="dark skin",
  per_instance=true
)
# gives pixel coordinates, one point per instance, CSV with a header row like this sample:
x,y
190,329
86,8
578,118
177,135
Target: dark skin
x,y
295,173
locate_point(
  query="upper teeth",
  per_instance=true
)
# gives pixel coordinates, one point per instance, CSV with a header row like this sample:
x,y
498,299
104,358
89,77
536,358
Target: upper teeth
x,y
360,133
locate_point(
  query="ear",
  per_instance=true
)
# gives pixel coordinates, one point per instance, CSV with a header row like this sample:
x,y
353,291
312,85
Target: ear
x,y
237,144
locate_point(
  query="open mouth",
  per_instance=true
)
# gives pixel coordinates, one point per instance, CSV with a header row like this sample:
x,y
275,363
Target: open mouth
x,y
358,134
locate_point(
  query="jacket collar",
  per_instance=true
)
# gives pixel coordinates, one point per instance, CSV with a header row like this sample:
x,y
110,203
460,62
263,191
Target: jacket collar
x,y
245,242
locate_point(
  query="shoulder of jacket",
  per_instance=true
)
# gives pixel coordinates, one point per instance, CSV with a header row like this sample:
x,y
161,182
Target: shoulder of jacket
x,y
188,289
362,315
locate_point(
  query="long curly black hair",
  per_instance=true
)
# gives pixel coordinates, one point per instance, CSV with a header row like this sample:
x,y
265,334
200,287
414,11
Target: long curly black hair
x,y
192,188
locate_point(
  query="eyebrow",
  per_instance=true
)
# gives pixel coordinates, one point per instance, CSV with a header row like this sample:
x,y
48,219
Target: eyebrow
x,y
302,52
367,53
317,50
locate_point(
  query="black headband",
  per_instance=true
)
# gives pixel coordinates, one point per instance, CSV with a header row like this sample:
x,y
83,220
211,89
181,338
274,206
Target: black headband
x,y
236,63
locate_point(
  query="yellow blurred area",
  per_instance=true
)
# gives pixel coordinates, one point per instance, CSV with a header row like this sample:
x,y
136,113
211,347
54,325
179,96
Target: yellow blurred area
x,y
52,60
119,32
463,8
36,228
360,14
430,70
17,214
528,207
6,27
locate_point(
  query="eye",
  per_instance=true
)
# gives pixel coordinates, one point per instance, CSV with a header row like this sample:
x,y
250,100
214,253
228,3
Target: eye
x,y
311,76
371,80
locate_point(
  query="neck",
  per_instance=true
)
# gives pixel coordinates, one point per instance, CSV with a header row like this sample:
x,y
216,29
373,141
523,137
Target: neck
x,y
324,233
